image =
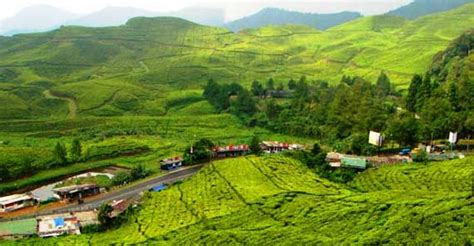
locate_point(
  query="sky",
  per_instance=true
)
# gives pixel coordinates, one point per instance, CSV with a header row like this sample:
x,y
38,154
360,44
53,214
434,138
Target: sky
x,y
234,8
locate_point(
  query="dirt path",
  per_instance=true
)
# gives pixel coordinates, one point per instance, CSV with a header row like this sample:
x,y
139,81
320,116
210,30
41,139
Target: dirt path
x,y
144,66
72,104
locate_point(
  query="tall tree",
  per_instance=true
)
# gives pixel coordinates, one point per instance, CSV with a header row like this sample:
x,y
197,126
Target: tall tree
x,y
270,84
291,84
413,91
76,150
383,85
453,96
245,104
424,92
255,145
105,215
60,154
257,89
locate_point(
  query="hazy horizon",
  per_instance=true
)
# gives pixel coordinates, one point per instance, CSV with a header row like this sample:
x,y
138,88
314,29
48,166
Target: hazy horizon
x,y
232,9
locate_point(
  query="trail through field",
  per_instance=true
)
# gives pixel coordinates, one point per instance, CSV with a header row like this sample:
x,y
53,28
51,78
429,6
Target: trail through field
x,y
71,102
144,66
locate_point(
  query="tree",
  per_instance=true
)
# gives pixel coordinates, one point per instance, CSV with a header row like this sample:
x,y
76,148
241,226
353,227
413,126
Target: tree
x,y
245,104
453,96
105,215
270,84
316,149
138,172
76,150
383,85
59,154
255,145
404,130
257,89
413,91
280,87
291,84
424,92
199,151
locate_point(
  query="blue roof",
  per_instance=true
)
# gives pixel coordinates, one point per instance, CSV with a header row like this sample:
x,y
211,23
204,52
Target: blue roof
x,y
59,222
159,187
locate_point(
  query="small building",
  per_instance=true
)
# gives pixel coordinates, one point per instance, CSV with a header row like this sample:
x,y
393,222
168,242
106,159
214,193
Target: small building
x,y
296,147
159,188
274,147
230,151
118,207
171,163
354,162
76,192
15,202
16,229
53,227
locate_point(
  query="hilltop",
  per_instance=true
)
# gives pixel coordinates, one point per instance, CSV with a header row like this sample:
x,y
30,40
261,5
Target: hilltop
x,y
114,70
419,8
274,16
276,200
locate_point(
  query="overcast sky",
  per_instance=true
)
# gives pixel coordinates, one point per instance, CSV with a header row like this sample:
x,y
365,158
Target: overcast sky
x,y
234,8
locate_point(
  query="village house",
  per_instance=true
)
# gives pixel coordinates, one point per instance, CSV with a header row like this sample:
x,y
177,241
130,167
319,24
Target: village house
x,y
171,163
76,192
15,202
230,151
53,227
274,147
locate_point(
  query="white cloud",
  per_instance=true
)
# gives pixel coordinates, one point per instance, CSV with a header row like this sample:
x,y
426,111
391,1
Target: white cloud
x,y
234,8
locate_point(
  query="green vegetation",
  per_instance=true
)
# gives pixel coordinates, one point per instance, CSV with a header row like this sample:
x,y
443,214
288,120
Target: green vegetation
x,y
139,68
274,199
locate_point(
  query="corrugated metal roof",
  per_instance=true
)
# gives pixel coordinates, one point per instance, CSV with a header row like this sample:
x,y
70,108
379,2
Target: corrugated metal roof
x,y
14,198
354,162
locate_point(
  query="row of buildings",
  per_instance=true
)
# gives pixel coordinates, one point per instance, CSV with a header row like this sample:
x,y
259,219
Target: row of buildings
x,y
66,194
233,151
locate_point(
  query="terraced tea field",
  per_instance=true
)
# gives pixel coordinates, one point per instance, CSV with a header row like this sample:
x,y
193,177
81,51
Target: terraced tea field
x,y
276,200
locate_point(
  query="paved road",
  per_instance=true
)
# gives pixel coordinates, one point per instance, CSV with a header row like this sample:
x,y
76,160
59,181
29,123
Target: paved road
x,y
128,192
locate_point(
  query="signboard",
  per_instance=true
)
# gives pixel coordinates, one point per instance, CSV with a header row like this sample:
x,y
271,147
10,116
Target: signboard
x,y
375,138
453,137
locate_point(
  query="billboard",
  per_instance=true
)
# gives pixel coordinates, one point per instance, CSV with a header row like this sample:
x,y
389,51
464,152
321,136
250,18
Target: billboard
x,y
453,137
375,138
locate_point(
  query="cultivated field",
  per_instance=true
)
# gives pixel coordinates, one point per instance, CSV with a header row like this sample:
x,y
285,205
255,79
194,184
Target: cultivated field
x,y
274,200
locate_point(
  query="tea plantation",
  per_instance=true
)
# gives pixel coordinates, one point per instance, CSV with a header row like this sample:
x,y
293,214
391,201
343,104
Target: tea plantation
x,y
277,200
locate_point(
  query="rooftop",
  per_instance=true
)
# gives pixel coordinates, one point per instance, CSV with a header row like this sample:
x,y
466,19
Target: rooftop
x,y
18,227
75,188
14,198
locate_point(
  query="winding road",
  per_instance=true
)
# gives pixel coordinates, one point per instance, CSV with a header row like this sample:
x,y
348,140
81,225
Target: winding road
x,y
72,104
130,191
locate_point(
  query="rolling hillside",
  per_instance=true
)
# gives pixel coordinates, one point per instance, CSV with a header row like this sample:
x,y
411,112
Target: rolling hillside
x,y
138,68
276,200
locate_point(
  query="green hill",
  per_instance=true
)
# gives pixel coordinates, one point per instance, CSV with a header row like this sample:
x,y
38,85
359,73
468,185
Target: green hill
x,y
132,69
276,200
419,8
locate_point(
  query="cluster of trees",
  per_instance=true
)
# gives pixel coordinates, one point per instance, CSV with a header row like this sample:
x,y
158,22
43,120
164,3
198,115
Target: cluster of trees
x,y
440,108
231,98
60,153
27,165
136,173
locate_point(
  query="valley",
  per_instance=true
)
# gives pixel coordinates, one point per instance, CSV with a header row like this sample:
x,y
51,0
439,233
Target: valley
x,y
229,137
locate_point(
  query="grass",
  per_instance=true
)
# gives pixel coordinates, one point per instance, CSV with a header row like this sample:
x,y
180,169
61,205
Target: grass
x,y
277,200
